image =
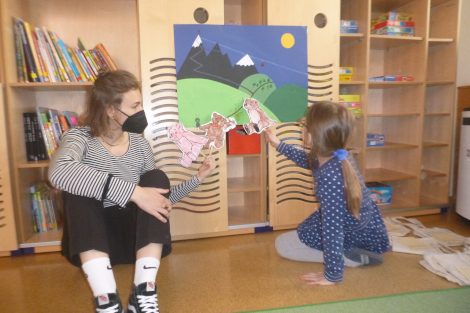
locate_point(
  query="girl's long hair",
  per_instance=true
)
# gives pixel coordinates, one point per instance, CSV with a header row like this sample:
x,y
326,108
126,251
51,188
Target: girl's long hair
x,y
331,126
107,91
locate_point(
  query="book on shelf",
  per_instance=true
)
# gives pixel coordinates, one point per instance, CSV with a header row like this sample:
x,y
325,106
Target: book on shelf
x,y
32,46
19,54
60,67
43,131
106,56
41,56
29,61
72,118
45,208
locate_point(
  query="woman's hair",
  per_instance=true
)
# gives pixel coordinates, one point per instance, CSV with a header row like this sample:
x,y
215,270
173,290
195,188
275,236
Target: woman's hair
x,y
331,126
106,92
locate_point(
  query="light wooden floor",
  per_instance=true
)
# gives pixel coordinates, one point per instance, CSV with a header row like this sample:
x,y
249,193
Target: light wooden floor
x,y
229,274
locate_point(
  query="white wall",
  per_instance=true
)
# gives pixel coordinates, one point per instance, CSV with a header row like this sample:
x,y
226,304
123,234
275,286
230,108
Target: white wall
x,y
463,65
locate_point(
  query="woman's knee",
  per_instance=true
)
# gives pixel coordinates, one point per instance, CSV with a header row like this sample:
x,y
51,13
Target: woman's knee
x,y
155,178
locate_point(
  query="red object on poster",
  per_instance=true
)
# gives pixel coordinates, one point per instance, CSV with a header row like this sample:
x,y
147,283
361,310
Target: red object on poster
x,y
238,142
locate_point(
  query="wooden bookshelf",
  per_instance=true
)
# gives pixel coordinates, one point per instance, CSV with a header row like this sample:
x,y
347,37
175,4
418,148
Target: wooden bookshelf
x,y
70,20
416,117
406,112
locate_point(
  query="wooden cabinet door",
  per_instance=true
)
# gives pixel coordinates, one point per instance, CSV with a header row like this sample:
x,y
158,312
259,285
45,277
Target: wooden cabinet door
x,y
291,195
204,210
8,240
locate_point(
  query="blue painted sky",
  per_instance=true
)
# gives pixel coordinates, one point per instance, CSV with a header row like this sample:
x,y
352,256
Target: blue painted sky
x,y
261,43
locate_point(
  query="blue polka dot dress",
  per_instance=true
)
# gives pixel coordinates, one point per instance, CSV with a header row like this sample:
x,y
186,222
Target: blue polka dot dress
x,y
333,229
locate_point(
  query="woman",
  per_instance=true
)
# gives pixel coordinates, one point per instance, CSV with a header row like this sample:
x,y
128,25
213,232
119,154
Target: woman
x,y
117,204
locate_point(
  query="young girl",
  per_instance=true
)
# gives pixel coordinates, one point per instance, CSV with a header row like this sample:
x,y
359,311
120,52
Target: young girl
x,y
117,203
348,229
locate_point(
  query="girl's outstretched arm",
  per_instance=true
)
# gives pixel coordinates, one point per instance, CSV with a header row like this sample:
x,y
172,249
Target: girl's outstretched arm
x,y
299,157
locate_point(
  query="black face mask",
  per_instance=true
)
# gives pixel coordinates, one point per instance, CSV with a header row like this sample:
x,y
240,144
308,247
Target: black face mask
x,y
136,123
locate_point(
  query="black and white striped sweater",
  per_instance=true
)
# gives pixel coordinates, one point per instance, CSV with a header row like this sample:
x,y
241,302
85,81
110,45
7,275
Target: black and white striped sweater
x,y
81,166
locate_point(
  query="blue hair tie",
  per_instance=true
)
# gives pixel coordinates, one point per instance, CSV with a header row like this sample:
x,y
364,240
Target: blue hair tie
x,y
341,154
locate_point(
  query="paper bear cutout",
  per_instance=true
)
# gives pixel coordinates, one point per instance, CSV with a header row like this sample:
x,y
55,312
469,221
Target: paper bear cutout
x,y
216,130
259,120
190,144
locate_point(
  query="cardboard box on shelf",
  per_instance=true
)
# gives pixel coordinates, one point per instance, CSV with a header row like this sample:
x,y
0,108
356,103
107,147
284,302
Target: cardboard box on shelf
x,y
346,70
345,78
392,23
349,30
393,16
238,142
349,98
351,105
380,193
391,79
374,140
348,23
394,29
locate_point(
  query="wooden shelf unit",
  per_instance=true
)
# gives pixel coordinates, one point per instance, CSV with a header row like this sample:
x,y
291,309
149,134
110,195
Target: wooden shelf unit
x,y
402,110
69,20
416,117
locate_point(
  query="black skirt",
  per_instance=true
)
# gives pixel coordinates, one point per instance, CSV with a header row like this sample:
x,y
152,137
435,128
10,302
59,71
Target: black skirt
x,y
119,232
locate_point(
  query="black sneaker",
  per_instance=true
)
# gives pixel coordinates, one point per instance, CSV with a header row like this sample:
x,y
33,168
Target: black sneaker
x,y
108,303
365,257
143,299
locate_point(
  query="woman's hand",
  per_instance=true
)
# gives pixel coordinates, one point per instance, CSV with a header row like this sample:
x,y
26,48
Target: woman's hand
x,y
206,168
271,138
316,279
151,201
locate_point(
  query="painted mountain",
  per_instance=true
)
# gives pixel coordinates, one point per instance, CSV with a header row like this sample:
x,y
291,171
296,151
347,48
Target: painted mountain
x,y
215,66
218,66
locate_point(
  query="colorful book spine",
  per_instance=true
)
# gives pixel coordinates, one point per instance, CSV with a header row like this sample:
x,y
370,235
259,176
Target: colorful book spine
x,y
40,144
42,61
35,211
90,71
43,128
20,68
46,56
87,55
55,141
78,64
55,126
63,123
63,74
67,68
33,51
95,58
42,214
107,57
29,60
101,58
28,137
65,52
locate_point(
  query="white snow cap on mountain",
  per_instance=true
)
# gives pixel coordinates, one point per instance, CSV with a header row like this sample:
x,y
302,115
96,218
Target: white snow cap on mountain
x,y
246,61
197,42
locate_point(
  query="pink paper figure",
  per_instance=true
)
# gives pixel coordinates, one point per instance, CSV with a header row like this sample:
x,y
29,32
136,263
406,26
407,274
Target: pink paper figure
x,y
259,120
190,144
216,129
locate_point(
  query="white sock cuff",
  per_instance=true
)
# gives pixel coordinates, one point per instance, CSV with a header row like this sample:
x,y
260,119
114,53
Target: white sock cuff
x,y
146,270
104,261
99,274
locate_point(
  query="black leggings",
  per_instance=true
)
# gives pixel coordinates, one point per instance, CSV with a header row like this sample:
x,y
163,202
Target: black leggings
x,y
119,232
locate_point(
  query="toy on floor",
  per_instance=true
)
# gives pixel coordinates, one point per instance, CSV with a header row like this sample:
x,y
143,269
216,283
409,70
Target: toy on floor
x,y
190,144
216,129
259,120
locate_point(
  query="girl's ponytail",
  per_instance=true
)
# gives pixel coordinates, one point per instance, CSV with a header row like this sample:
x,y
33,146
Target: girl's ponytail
x,y
353,188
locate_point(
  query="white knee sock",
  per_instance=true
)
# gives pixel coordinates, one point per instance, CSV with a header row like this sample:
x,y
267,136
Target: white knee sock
x,y
100,276
146,270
